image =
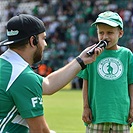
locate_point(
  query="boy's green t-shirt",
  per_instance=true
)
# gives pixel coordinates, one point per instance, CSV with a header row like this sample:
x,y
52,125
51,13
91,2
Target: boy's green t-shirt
x,y
20,94
108,79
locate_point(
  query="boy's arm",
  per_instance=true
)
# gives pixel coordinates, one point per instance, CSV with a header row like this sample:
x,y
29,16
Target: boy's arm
x,y
87,115
130,118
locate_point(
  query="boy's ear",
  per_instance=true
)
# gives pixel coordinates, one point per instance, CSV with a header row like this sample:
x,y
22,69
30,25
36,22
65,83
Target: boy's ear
x,y
121,33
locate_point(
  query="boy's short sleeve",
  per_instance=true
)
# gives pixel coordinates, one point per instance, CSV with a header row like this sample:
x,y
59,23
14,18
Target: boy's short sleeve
x,y
130,72
83,74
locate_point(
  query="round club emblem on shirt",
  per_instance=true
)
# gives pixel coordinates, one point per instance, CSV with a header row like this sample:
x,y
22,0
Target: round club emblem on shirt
x,y
110,68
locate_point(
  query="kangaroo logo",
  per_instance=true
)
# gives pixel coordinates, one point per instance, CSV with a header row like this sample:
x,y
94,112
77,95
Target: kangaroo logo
x,y
110,68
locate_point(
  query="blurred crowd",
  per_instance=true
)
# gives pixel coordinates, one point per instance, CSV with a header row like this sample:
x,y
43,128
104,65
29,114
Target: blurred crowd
x,y
68,24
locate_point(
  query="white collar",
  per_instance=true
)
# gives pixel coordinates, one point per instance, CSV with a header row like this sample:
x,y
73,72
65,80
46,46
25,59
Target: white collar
x,y
12,56
17,62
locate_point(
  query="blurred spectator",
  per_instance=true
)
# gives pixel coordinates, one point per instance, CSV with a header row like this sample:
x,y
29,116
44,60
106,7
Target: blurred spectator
x,y
130,45
68,24
2,49
44,70
75,83
83,39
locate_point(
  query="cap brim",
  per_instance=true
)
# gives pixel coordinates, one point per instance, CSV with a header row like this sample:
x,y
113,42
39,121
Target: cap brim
x,y
110,23
6,42
3,42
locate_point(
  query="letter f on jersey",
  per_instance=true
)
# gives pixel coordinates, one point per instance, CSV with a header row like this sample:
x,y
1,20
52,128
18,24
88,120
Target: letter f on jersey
x,y
36,100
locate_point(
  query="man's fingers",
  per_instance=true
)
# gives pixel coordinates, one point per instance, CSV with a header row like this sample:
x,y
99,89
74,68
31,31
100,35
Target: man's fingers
x,y
98,51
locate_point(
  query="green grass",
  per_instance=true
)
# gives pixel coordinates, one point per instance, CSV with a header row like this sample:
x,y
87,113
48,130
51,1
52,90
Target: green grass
x,y
63,111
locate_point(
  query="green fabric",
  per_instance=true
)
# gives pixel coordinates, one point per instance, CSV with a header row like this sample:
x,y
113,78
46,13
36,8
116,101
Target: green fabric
x,y
31,87
108,79
110,18
23,98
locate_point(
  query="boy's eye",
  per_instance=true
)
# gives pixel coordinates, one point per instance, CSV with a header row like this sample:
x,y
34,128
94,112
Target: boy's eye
x,y
101,33
110,32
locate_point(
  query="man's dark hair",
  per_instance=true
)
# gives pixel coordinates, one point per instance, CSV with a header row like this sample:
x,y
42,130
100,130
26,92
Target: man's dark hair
x,y
19,45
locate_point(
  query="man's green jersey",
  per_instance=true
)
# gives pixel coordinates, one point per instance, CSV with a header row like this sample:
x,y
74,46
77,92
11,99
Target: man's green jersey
x,y
20,93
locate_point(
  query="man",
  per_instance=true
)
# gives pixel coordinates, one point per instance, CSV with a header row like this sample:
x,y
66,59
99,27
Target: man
x,y
21,109
108,82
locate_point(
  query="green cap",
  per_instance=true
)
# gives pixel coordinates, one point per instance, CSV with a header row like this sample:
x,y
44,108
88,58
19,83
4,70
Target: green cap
x,y
109,18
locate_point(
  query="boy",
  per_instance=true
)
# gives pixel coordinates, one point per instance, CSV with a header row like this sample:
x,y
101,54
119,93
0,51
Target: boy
x,y
108,82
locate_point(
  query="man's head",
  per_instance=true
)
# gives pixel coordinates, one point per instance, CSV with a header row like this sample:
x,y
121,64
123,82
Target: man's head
x,y
22,27
26,35
110,18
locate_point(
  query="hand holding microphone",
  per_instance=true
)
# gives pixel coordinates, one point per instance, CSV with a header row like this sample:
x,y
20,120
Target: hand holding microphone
x,y
101,44
83,58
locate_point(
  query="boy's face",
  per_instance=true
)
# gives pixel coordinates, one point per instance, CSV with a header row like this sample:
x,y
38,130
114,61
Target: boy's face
x,y
111,34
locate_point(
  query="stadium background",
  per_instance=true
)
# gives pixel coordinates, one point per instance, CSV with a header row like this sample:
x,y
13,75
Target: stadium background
x,y
67,23
68,27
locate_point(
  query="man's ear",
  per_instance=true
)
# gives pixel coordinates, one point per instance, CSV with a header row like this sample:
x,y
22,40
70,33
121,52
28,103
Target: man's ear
x,y
32,41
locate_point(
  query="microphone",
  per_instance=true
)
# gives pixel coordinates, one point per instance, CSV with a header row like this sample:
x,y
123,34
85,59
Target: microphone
x,y
101,44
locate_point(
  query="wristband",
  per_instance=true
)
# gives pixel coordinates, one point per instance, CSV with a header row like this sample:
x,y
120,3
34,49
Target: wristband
x,y
80,61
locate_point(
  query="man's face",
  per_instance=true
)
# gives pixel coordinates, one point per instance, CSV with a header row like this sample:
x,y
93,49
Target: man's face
x,y
40,47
